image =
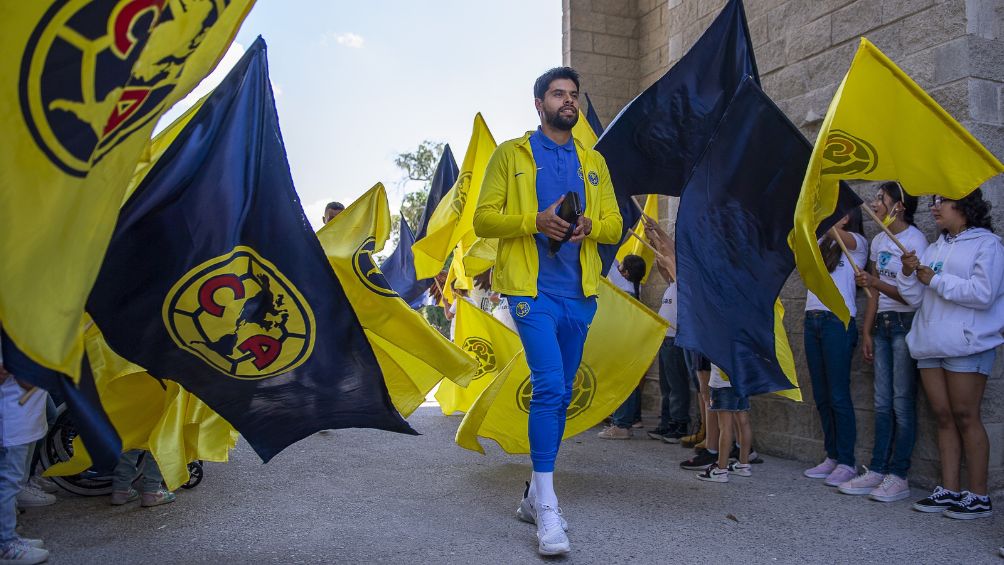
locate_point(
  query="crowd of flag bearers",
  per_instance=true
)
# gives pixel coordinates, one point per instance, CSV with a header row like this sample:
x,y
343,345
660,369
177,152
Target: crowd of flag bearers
x,y
536,248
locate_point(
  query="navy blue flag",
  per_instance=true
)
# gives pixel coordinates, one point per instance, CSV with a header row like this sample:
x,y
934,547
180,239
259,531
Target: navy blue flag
x,y
214,279
593,118
399,269
731,239
652,145
89,418
442,181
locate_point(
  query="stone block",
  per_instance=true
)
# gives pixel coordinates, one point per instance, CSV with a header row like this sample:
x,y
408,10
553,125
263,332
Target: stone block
x,y
893,10
933,26
856,19
611,45
580,41
621,67
681,17
828,67
773,443
706,7
984,101
674,51
787,82
758,31
622,8
986,58
589,63
954,98
583,20
807,40
784,18
616,25
771,56
985,18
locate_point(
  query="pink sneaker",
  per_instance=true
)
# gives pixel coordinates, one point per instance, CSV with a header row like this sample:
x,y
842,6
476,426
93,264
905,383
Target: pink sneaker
x,y
862,484
822,470
892,489
839,476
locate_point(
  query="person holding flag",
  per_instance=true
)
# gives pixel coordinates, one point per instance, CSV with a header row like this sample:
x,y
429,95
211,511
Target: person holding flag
x,y
552,294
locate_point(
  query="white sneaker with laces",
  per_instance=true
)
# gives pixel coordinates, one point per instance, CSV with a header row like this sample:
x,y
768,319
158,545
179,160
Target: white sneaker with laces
x,y
527,512
32,497
16,552
551,538
44,484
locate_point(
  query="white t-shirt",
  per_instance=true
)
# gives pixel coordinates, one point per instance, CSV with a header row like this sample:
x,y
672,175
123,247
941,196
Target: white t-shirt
x,y
843,278
502,314
21,424
667,310
888,261
718,378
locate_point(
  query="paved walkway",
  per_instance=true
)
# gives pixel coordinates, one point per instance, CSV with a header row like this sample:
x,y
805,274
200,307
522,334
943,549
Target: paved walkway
x,y
361,496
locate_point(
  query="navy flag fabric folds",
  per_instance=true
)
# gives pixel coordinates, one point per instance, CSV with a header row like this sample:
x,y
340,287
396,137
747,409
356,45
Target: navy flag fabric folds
x,y
652,145
593,118
443,180
215,279
732,251
399,269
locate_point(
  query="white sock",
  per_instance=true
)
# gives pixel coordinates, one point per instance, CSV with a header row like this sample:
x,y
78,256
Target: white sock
x,y
542,484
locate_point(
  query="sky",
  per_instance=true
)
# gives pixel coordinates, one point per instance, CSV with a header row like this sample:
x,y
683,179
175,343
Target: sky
x,y
357,83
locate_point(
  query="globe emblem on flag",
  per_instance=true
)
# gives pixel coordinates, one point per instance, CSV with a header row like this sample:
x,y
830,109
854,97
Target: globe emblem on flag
x,y
95,72
583,392
848,155
368,272
240,315
461,187
482,351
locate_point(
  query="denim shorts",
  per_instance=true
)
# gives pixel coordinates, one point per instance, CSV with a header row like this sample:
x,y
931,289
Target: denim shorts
x,y
981,363
725,399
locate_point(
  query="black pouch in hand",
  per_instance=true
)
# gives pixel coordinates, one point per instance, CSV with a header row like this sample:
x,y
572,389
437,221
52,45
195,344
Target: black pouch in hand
x,y
570,211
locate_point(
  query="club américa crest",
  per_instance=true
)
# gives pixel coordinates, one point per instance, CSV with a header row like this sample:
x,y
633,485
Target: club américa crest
x,y
94,72
241,316
583,392
848,155
368,271
483,352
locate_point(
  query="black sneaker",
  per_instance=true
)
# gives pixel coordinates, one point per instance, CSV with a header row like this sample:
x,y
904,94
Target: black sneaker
x,y
939,501
971,506
676,433
754,456
701,461
659,433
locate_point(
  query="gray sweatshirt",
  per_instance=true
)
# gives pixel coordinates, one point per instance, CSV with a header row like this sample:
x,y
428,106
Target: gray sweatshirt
x,y
962,311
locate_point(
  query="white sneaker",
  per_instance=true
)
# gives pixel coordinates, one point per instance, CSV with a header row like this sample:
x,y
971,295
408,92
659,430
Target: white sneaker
x,y
31,497
551,539
44,483
15,552
740,469
528,513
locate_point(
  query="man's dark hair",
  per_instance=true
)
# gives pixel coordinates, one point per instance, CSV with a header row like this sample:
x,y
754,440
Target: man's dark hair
x,y
545,80
334,206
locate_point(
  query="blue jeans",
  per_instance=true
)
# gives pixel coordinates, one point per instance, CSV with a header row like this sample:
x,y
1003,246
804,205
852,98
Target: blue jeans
x,y
624,416
126,471
895,394
828,350
674,385
553,331
13,469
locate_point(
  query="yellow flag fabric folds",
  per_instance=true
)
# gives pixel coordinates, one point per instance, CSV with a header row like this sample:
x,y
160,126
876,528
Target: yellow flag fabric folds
x,y
632,246
76,117
488,342
784,356
453,219
881,126
165,419
583,131
412,355
481,256
623,340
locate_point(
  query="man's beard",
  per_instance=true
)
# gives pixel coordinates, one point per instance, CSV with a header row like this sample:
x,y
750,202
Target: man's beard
x,y
557,121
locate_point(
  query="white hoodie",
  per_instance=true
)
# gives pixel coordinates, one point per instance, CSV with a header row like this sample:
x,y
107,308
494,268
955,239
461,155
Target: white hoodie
x,y
962,311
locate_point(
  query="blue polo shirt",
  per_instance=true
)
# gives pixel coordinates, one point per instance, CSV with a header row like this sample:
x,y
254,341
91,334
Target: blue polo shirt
x,y
558,172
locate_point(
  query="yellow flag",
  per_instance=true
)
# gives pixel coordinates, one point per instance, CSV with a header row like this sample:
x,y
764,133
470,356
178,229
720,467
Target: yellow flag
x,y
623,340
782,349
881,126
86,82
481,256
453,219
583,131
487,341
158,416
632,246
413,356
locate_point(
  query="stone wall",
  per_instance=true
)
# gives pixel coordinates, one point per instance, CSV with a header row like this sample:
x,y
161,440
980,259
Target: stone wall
x,y
953,48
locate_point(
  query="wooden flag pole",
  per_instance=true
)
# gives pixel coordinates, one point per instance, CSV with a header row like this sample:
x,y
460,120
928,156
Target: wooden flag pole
x,y
840,242
882,225
672,264
27,395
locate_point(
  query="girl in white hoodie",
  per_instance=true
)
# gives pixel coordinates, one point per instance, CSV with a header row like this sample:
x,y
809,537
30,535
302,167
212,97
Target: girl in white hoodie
x,y
958,285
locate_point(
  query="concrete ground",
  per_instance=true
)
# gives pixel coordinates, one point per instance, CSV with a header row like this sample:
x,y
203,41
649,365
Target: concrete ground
x,y
362,496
